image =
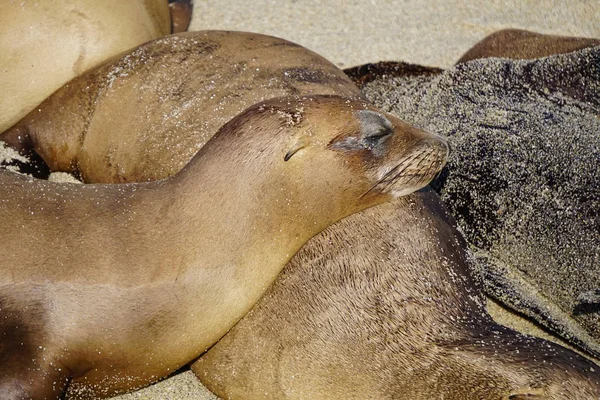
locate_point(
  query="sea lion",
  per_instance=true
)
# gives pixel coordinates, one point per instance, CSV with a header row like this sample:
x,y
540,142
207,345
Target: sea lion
x,y
165,268
522,182
381,305
520,44
44,44
143,115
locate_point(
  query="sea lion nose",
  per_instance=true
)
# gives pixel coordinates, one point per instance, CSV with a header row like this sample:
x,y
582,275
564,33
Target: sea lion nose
x,y
444,147
437,146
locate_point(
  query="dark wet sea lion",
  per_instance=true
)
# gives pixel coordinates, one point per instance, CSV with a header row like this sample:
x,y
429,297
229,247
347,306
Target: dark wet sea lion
x,y
165,268
522,182
44,44
143,115
520,44
381,306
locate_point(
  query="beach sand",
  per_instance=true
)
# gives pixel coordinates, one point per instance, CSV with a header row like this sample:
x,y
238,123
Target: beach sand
x,y
351,32
433,32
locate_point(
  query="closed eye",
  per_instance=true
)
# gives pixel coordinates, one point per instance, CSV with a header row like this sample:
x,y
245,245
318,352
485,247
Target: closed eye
x,y
374,139
374,127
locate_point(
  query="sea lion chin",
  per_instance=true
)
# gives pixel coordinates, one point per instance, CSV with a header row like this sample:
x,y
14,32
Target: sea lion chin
x,y
165,268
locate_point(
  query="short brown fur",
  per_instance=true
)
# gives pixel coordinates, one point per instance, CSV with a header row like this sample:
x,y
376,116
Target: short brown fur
x,y
380,305
44,44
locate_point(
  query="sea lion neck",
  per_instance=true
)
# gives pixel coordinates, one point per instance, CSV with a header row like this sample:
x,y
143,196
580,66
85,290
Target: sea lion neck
x,y
255,210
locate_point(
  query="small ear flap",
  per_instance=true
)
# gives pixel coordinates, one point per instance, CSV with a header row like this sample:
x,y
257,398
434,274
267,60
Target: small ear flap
x,y
298,145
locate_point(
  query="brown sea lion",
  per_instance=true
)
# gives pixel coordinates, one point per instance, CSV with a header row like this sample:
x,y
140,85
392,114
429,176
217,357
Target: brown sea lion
x,y
381,306
165,268
501,374
44,44
520,45
143,115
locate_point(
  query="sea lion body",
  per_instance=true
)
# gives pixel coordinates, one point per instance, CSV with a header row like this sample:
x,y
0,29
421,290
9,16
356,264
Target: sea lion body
x,y
46,43
381,305
143,115
520,44
164,269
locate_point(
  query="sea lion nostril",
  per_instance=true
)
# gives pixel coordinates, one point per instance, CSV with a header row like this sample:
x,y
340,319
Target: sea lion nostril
x,y
438,143
432,150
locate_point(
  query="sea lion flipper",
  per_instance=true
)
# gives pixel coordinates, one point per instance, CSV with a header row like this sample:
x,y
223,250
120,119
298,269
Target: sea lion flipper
x,y
181,15
587,302
509,286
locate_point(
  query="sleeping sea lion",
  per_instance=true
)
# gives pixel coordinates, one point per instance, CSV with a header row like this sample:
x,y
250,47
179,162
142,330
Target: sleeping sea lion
x,y
502,373
143,115
165,268
44,44
381,306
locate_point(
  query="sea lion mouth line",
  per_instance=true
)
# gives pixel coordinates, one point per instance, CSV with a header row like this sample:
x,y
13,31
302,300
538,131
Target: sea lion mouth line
x,y
413,161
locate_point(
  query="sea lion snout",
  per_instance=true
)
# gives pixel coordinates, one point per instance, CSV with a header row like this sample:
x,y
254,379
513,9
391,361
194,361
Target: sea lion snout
x,y
377,155
412,159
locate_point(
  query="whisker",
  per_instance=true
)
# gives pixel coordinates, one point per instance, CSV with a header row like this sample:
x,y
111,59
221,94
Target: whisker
x,y
423,164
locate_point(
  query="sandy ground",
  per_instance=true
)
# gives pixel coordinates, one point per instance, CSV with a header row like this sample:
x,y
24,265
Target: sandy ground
x,y
426,32
353,32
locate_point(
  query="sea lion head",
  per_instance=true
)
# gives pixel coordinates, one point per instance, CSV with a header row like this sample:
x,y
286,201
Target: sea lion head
x,y
320,158
376,154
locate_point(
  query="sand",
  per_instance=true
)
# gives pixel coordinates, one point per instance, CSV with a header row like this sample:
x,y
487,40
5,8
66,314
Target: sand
x,y
432,32
352,32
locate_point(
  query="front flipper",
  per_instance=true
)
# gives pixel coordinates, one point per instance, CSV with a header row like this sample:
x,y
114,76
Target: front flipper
x,y
181,15
510,287
587,302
